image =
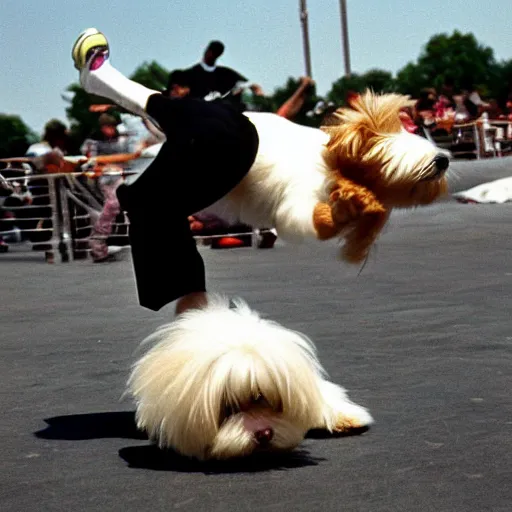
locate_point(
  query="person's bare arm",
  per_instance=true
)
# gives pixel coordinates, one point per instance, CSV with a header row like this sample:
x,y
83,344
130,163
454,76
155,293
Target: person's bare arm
x,y
291,107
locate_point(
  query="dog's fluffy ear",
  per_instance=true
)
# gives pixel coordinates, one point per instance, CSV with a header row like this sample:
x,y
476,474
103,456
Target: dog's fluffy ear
x,y
352,128
353,213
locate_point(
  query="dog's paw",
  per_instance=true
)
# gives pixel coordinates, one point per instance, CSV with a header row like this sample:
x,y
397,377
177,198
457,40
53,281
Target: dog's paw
x,y
352,417
345,210
323,222
351,203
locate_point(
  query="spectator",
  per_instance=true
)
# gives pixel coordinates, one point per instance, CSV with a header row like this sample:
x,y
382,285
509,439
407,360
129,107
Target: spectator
x,y
109,142
473,102
55,138
424,107
48,157
209,81
141,133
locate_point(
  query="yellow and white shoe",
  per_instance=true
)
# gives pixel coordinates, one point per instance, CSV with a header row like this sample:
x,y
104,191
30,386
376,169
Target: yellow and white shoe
x,y
91,56
84,48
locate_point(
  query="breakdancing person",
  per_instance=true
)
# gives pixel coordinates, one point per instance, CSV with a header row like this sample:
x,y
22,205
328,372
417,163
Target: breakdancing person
x,y
209,148
308,183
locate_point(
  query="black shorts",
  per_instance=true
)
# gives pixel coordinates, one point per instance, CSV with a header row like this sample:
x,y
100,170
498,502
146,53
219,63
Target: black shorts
x,y
210,147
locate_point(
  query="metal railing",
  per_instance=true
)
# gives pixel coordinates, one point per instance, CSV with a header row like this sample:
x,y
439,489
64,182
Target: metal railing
x,y
482,138
58,219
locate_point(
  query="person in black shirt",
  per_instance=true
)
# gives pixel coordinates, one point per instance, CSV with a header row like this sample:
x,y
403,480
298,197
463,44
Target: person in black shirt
x,y
209,81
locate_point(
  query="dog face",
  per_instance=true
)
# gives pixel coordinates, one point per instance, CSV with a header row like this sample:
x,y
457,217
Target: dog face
x,y
216,394
370,147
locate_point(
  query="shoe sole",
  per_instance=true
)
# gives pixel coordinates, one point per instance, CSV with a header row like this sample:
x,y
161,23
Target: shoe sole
x,y
79,41
87,40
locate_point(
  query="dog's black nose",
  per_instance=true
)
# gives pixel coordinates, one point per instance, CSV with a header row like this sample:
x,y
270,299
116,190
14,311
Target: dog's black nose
x,y
264,436
441,162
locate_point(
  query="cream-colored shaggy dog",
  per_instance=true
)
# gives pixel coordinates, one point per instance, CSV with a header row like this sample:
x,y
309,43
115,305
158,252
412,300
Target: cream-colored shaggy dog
x,y
222,382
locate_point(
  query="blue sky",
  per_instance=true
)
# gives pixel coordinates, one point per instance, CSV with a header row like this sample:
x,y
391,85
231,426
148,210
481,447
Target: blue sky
x,y
262,37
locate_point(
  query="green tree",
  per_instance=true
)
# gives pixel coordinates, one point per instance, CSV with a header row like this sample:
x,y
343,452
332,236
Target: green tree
x,y
15,136
411,79
502,86
377,80
272,102
281,94
151,75
459,57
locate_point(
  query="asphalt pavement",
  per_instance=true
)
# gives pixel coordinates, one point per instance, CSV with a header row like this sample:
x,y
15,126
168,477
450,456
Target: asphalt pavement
x,y
422,336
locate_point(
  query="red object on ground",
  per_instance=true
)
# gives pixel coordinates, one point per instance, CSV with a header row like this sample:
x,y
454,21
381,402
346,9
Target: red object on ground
x,y
230,241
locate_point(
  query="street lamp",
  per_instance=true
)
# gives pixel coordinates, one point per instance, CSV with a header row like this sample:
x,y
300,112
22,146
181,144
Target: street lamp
x,y
305,36
303,11
344,36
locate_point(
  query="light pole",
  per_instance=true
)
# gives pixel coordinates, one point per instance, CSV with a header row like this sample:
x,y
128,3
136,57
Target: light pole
x,y
344,36
305,36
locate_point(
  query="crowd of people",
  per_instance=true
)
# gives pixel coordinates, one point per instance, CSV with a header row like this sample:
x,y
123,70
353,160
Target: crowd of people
x,y
439,110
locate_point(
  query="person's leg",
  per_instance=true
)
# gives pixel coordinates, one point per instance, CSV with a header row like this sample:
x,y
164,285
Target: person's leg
x,y
103,226
166,262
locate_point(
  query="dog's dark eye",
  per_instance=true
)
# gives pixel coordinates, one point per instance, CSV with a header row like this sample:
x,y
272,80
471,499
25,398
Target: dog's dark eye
x,y
258,399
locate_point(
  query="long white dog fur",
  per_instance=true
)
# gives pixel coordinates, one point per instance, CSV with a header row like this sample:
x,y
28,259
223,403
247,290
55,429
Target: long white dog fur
x,y
223,382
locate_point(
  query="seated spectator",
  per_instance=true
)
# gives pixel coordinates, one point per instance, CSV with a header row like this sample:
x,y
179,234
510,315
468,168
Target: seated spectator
x,y
424,108
141,133
108,141
462,114
435,113
55,138
48,157
473,102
